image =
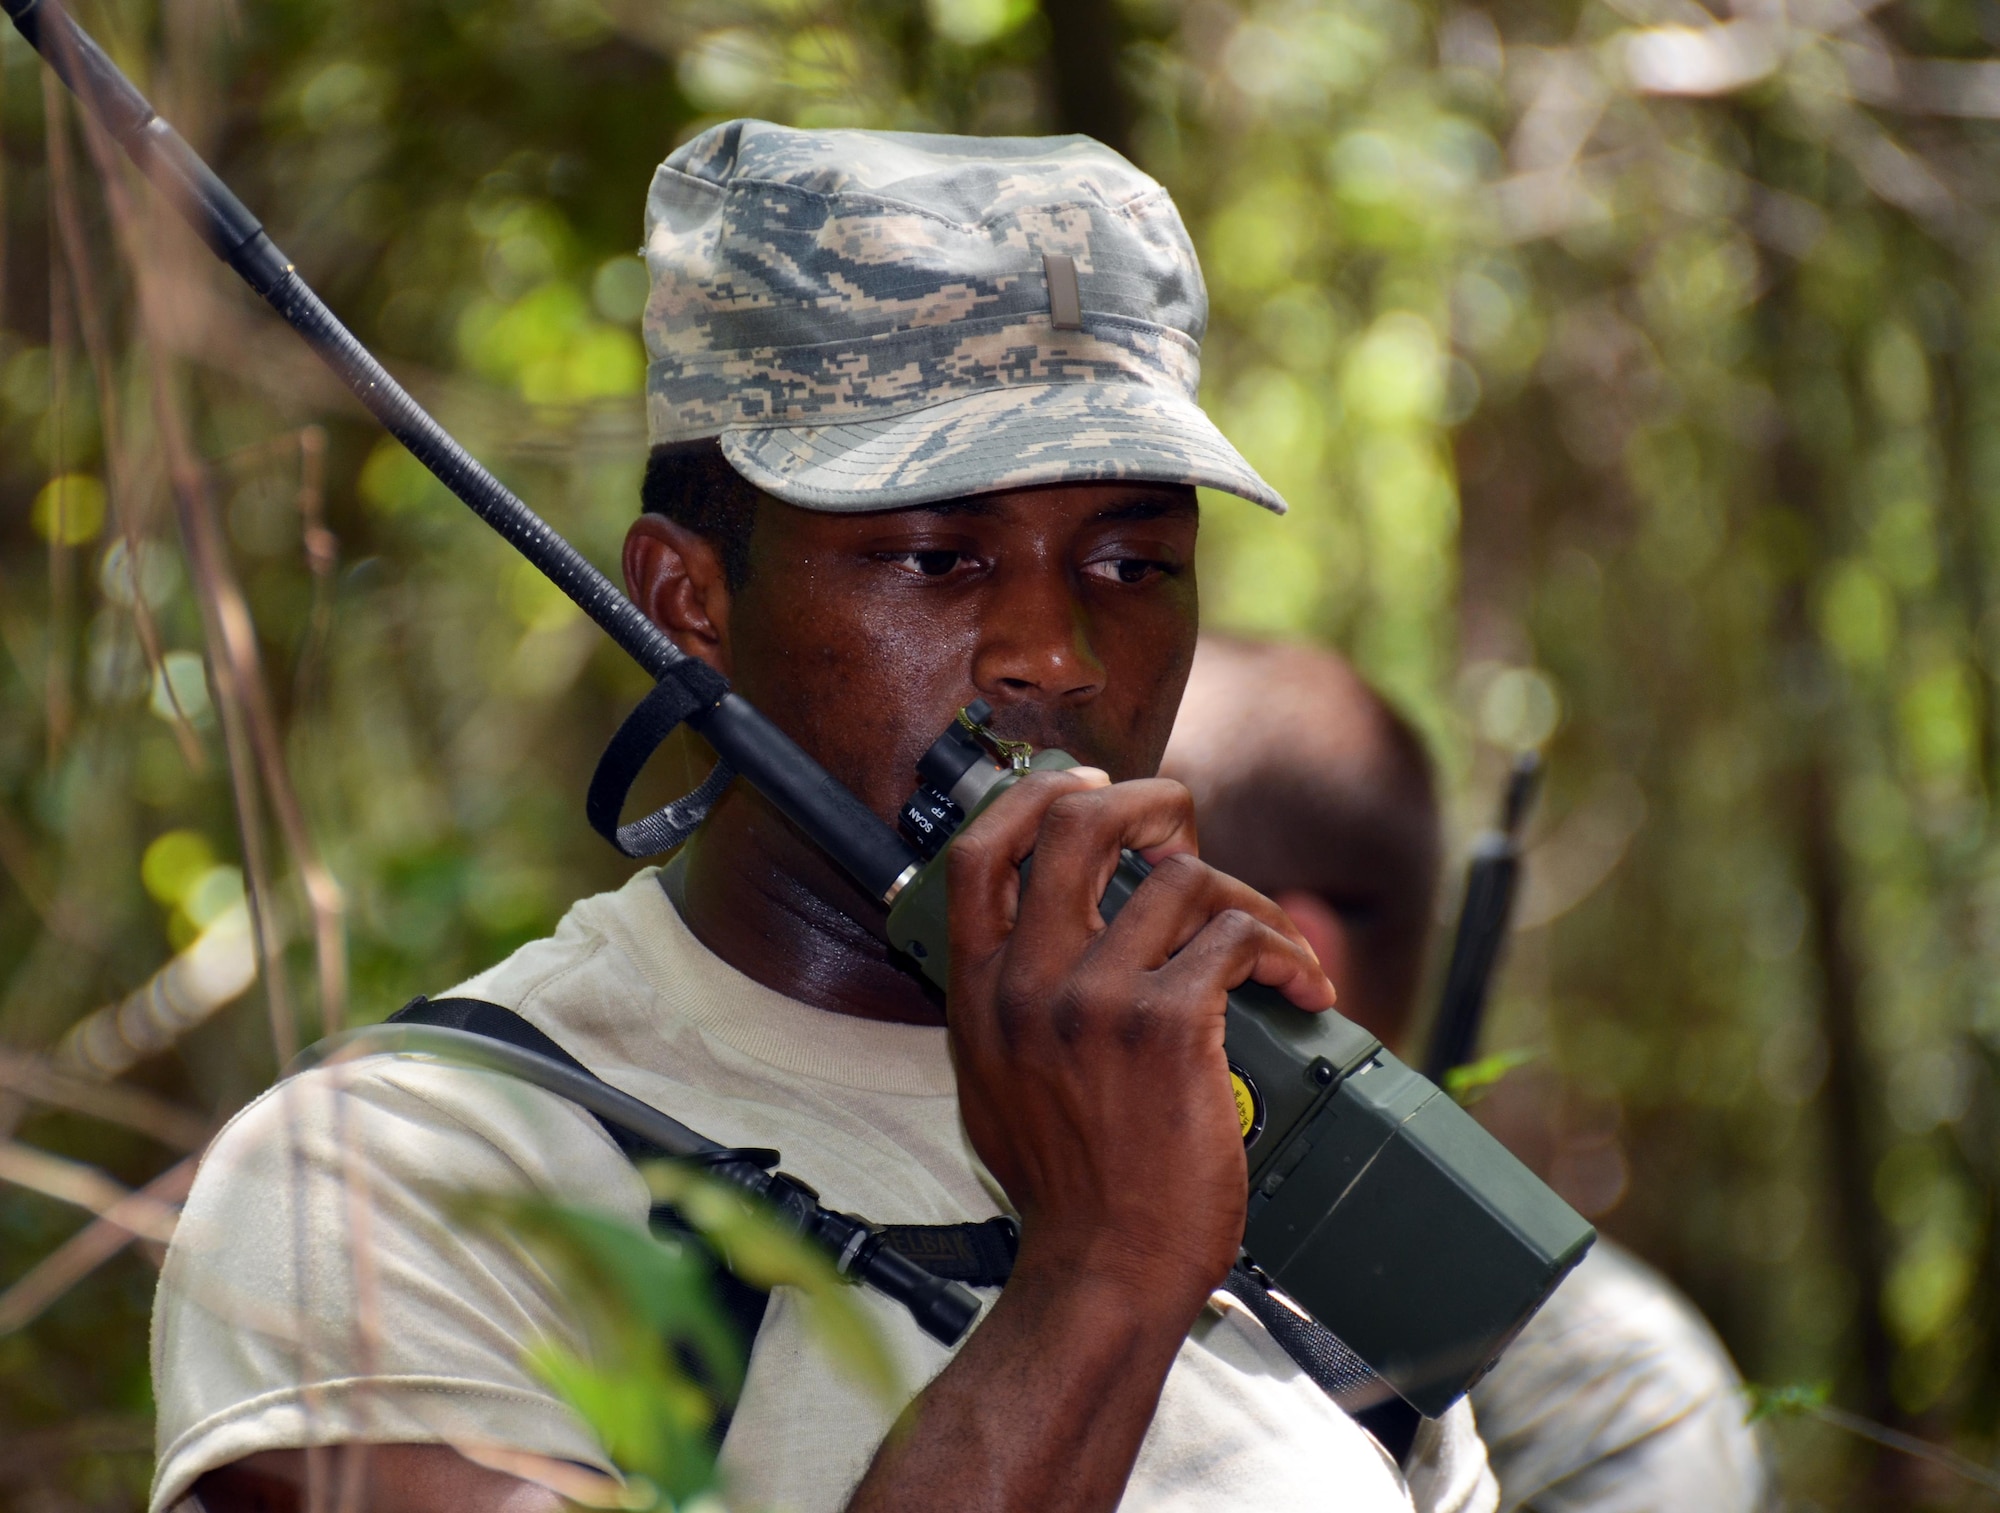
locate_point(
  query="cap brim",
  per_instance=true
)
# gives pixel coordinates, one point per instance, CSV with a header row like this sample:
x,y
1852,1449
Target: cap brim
x,y
1014,437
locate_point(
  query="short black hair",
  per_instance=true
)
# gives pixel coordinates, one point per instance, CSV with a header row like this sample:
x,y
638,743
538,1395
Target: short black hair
x,y
692,484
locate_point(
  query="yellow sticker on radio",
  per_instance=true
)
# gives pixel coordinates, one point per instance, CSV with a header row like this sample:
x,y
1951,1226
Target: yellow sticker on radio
x,y
1249,1107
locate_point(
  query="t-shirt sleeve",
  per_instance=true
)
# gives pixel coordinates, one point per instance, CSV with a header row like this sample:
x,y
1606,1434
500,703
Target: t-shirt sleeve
x,y
321,1290
1447,1472
1619,1397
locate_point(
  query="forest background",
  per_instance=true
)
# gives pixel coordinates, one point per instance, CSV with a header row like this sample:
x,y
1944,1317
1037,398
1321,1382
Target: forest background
x,y
1628,366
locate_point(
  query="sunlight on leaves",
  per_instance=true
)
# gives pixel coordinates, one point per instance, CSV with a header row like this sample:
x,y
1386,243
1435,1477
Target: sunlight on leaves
x,y
1473,1081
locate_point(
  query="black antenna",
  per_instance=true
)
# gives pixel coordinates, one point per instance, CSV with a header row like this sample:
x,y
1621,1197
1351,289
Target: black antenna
x,y
839,823
1490,884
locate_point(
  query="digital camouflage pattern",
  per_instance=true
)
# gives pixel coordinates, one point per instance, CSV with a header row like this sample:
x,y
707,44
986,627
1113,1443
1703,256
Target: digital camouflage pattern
x,y
864,317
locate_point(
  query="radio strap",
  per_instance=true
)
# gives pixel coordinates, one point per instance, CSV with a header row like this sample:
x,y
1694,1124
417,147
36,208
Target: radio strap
x,y
688,687
1324,1356
978,1254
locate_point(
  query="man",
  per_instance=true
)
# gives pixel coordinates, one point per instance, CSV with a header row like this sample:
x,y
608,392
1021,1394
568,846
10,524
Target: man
x,y
1617,1397
924,432
1304,778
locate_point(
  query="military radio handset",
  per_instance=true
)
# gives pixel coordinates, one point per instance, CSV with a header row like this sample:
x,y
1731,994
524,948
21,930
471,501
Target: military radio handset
x,y
1375,1201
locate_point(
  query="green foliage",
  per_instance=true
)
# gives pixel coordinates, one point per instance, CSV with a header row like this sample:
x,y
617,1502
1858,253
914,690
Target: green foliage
x,y
1469,1083
663,1360
766,1256
1633,383
1785,1402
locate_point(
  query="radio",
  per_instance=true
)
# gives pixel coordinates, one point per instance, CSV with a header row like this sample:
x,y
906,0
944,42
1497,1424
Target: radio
x,y
1376,1202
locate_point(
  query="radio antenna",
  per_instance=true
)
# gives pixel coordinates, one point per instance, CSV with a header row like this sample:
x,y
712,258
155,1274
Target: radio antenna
x,y
1483,920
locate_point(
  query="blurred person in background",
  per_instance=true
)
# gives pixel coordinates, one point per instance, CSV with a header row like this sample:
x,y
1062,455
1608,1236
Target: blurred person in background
x,y
1618,1397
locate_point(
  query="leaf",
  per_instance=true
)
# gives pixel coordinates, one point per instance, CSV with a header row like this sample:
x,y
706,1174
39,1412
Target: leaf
x,y
648,1417
1471,1082
766,1255
1794,1401
662,1357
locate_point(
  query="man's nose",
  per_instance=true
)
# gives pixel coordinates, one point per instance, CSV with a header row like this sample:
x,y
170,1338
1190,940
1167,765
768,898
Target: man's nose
x,y
1036,640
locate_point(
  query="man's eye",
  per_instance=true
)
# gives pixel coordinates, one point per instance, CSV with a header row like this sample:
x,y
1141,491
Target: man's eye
x,y
934,564
1130,569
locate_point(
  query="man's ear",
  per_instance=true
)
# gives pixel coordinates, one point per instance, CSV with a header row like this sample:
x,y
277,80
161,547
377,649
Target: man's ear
x,y
1326,932
675,576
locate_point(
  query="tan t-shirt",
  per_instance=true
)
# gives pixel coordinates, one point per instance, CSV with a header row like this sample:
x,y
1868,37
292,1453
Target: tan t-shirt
x,y
317,1292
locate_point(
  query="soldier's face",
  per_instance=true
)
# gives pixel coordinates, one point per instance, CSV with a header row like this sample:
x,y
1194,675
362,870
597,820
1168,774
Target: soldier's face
x,y
1070,609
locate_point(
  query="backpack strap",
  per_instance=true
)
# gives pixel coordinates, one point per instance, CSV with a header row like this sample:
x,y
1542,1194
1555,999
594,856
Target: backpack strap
x,y
979,1254
477,1017
976,1254
744,1304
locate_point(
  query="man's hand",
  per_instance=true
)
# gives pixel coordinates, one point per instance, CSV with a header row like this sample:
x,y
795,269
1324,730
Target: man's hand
x,y
1093,1084
1090,1061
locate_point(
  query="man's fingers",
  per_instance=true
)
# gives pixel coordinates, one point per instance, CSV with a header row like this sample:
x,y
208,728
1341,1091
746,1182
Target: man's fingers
x,y
1177,900
1074,824
983,866
1076,851
1235,947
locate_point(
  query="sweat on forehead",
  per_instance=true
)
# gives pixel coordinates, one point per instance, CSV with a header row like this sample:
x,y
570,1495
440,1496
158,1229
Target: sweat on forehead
x,y
1139,502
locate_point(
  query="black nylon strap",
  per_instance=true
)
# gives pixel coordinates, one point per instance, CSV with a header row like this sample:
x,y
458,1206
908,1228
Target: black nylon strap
x,y
477,1017
1334,1368
745,1304
687,687
1338,1371
978,1254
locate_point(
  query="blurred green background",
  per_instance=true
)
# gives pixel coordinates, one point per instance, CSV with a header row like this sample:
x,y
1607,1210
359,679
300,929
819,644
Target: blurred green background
x,y
1628,365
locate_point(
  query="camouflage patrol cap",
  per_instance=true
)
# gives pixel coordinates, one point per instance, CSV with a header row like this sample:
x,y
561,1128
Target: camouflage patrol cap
x,y
874,319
